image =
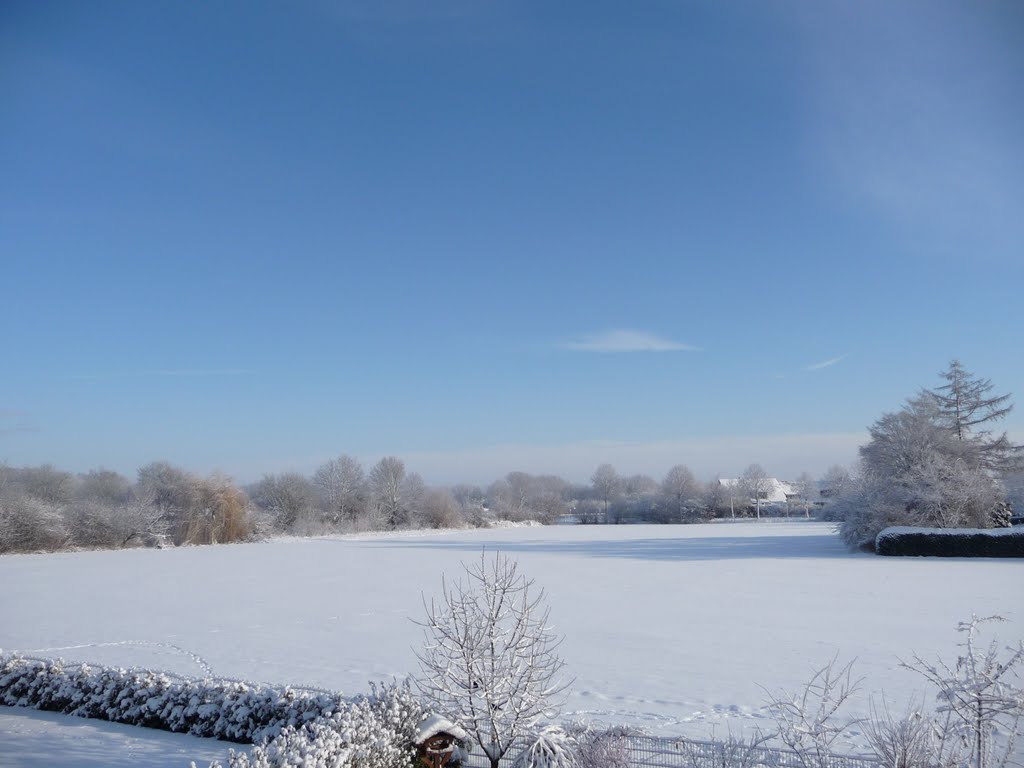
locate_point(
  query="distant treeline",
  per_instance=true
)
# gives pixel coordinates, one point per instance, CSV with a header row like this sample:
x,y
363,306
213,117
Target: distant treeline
x,y
46,509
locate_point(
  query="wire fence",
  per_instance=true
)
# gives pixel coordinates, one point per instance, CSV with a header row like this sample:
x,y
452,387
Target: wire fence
x,y
655,752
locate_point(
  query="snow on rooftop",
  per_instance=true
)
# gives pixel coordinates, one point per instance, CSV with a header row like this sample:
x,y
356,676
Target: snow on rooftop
x,y
434,724
776,495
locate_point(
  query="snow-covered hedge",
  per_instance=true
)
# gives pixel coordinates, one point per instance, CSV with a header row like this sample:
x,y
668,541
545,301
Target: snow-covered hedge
x,y
228,710
289,727
951,542
375,731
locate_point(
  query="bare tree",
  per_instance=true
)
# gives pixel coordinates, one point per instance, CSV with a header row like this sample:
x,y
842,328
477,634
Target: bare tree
x,y
718,498
386,480
413,490
548,498
28,523
979,691
103,486
808,720
522,496
290,498
510,496
679,490
911,740
489,659
806,489
472,502
172,491
45,482
139,520
439,509
639,499
606,483
836,481
468,495
756,484
342,486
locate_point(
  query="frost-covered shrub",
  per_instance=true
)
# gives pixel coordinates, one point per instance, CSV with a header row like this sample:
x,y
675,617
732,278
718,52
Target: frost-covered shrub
x,y
551,748
601,748
951,542
229,710
289,727
1002,515
374,731
29,524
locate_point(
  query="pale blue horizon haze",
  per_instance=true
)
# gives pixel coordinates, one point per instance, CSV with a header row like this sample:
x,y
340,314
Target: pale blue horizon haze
x,y
497,236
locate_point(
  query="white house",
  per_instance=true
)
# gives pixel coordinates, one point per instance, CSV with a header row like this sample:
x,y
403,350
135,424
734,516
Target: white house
x,y
779,491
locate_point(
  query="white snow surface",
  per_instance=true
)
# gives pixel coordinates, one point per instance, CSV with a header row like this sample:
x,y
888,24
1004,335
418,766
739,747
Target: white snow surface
x,y
671,628
32,739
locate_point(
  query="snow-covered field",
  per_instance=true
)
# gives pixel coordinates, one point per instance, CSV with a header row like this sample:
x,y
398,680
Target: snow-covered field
x,y
674,628
31,739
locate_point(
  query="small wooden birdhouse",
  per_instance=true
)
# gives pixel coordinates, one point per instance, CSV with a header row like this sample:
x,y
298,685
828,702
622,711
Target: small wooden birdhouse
x,y
437,741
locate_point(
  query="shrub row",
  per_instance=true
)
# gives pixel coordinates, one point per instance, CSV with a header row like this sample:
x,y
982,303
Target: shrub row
x,y
233,711
951,542
289,728
375,731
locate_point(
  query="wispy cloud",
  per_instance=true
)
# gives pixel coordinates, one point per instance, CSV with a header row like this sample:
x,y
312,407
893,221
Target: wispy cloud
x,y
825,363
626,341
170,372
14,422
200,372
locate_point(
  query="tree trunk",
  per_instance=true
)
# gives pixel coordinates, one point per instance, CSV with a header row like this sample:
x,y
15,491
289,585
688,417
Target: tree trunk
x,y
979,742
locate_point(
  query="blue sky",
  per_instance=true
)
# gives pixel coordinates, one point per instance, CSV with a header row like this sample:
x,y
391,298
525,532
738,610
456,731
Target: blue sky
x,y
489,236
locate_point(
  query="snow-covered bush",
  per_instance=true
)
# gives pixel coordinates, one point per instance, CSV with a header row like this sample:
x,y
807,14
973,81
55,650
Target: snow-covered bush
x,y
808,722
551,748
374,731
28,524
981,695
289,727
601,747
229,710
951,542
913,738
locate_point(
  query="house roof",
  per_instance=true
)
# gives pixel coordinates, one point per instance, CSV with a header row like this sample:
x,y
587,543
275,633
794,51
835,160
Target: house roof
x,y
777,491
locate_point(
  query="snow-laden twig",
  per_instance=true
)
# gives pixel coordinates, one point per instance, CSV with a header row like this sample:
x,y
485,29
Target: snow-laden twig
x,y
808,720
979,692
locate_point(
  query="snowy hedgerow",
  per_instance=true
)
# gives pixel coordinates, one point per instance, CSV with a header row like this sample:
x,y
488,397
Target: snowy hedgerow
x,y
951,542
229,710
374,731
